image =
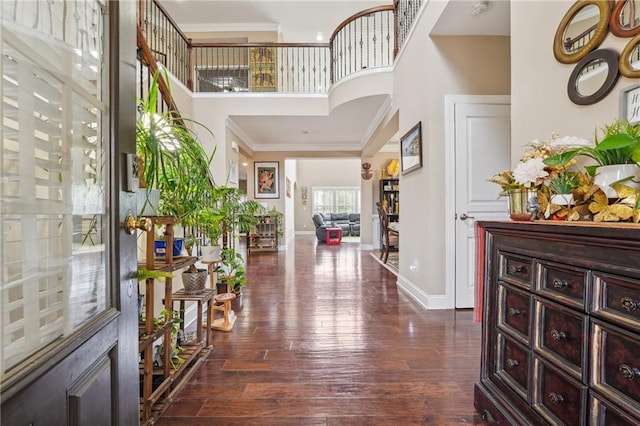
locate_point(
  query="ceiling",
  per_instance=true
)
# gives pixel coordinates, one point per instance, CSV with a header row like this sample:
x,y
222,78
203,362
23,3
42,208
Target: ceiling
x,y
347,126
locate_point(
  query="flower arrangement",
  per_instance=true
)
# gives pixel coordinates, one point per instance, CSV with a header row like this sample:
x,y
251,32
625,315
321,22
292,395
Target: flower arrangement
x,y
550,169
532,173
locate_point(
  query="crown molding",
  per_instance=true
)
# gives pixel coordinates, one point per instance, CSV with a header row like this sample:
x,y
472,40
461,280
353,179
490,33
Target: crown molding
x,y
233,126
239,27
377,120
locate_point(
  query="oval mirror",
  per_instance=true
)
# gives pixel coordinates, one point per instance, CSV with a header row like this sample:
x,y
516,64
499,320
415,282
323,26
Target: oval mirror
x,y
629,63
625,18
581,30
593,77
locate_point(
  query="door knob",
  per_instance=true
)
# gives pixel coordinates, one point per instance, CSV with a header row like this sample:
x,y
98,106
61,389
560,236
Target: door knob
x,y
131,224
464,216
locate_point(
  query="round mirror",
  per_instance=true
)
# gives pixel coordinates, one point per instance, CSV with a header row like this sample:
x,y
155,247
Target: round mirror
x,y
593,77
625,18
630,58
581,30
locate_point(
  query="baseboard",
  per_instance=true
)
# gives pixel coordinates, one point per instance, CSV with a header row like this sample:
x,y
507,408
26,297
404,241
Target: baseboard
x,y
428,302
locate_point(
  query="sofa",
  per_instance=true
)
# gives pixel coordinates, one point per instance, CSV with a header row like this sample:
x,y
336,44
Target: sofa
x,y
348,222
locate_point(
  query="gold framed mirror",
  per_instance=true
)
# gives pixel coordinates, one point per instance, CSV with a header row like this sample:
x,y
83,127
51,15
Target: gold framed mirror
x,y
625,18
629,62
581,30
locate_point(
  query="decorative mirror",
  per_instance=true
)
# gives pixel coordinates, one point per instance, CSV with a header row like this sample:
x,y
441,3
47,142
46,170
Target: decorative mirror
x,y
629,63
593,77
581,30
625,18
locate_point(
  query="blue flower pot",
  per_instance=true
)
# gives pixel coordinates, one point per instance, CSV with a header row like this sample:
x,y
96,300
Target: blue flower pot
x,y
161,247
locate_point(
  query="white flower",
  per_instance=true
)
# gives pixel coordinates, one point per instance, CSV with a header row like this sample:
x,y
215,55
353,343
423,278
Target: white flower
x,y
528,172
569,142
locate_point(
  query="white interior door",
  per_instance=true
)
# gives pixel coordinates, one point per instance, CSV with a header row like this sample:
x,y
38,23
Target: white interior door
x,y
482,148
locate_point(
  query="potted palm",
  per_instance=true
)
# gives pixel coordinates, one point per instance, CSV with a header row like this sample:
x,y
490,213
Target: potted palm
x,y
238,215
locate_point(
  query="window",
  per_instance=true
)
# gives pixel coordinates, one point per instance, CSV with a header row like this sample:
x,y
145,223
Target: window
x,y
336,200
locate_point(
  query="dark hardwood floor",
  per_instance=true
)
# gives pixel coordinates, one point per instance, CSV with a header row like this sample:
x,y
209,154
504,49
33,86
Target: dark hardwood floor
x,y
325,337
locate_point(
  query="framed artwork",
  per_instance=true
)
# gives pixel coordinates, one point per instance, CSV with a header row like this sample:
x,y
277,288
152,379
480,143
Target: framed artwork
x,y
411,149
266,179
288,187
630,104
262,69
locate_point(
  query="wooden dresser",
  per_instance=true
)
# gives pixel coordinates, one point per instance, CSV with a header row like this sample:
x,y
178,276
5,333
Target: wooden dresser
x,y
561,324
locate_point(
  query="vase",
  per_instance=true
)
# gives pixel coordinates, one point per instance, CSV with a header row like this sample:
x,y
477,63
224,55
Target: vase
x,y
562,199
523,204
608,175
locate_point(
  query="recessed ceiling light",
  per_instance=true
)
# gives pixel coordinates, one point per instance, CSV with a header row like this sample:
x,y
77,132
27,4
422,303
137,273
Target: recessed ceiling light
x,y
319,36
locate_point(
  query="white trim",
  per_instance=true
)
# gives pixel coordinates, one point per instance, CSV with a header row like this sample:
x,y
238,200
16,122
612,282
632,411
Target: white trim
x,y
450,103
231,125
428,302
380,115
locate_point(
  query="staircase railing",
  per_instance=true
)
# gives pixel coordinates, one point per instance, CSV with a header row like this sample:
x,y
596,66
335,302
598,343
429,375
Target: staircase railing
x,y
261,67
363,41
406,13
366,40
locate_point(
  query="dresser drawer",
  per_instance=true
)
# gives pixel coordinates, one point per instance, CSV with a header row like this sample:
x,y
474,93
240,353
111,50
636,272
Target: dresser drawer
x,y
512,365
515,269
514,312
616,365
556,396
563,284
602,412
561,335
617,299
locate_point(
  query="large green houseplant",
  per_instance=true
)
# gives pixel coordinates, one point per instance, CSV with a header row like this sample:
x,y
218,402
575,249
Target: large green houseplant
x,y
172,160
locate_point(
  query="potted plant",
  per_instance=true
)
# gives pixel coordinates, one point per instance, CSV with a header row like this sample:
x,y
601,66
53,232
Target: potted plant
x,y
238,215
210,225
616,156
232,272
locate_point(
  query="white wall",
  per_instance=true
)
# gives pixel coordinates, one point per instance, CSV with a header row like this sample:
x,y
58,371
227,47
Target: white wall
x,y
291,173
539,101
428,69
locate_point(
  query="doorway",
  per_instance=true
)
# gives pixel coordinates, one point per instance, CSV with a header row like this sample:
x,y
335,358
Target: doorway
x,y
478,140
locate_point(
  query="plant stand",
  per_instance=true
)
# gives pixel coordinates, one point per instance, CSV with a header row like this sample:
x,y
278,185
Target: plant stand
x,y
229,319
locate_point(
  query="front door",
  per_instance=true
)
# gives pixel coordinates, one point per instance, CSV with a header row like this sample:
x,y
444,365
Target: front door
x,y
482,145
68,305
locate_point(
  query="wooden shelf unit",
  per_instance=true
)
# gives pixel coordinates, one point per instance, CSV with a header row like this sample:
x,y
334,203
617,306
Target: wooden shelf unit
x,y
159,384
390,197
265,238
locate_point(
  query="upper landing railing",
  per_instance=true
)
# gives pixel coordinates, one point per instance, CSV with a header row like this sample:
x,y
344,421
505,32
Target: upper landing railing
x,y
369,39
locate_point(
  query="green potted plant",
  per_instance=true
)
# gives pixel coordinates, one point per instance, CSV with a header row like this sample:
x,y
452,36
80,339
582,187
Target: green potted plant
x,y
615,155
238,215
171,159
232,272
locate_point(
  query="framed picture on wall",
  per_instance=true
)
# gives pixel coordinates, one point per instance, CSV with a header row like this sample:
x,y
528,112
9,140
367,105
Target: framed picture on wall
x,y
266,175
411,149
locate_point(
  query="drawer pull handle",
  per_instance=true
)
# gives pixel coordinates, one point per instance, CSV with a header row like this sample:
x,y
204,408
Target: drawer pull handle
x,y
629,372
628,304
560,284
517,269
556,398
511,363
558,335
512,312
